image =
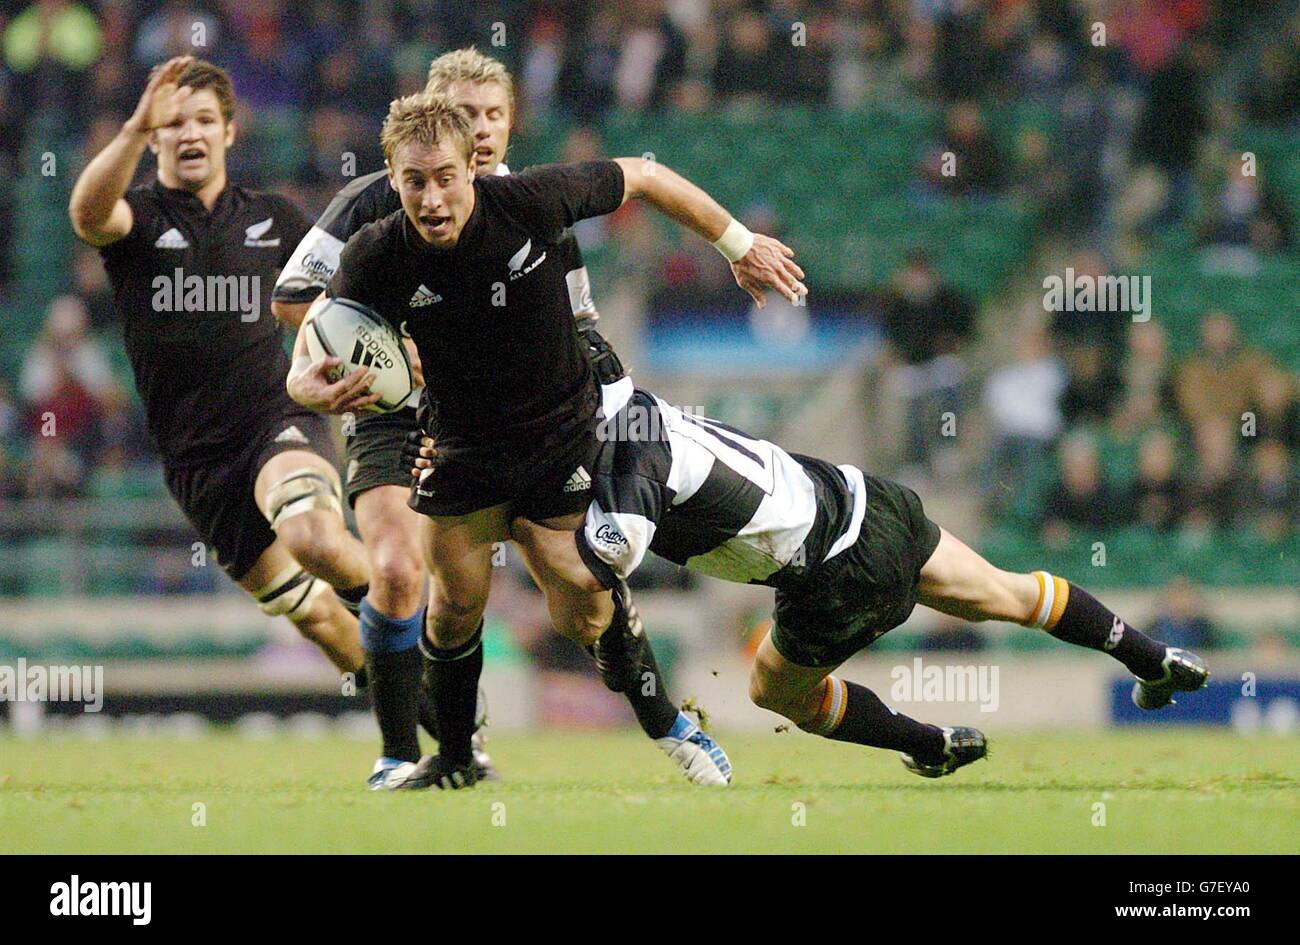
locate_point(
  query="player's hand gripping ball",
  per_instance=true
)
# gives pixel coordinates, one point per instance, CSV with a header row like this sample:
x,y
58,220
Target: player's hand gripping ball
x,y
362,341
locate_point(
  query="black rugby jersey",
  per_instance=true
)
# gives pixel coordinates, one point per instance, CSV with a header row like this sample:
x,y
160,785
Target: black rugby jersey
x,y
491,317
371,198
192,289
712,498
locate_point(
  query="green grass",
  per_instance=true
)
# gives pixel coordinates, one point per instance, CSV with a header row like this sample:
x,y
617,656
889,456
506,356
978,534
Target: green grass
x,y
1190,791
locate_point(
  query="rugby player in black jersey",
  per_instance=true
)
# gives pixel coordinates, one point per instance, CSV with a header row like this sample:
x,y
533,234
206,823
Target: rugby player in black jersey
x,y
469,269
849,555
378,487
192,259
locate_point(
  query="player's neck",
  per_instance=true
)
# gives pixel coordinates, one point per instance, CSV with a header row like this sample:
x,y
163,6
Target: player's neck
x,y
207,194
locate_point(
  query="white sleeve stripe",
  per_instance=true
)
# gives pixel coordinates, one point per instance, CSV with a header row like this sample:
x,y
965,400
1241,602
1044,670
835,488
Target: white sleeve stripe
x,y
314,261
858,488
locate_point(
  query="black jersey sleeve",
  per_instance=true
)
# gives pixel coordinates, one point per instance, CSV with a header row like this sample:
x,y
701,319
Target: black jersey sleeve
x,y
293,224
556,196
361,271
316,256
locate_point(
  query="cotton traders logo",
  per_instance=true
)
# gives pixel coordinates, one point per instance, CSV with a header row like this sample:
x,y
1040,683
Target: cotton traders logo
x,y
609,536
516,262
317,266
253,234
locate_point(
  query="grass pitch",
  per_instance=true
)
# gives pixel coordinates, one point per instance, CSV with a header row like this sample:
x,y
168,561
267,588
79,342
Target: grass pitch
x,y
1184,791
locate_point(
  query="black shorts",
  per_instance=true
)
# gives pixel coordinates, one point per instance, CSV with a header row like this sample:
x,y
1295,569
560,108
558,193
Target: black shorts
x,y
218,497
870,587
374,452
541,477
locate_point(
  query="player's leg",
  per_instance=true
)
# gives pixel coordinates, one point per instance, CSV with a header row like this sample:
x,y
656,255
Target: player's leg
x,y
823,704
283,588
607,624
392,618
299,493
458,553
958,581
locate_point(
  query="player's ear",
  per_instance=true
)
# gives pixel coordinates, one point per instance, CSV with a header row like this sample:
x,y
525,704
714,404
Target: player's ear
x,y
392,177
230,132
154,145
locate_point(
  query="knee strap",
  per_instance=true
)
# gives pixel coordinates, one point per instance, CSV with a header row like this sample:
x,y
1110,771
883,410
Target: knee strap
x,y
302,490
289,594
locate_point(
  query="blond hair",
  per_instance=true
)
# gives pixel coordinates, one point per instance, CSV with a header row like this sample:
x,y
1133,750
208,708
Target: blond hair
x,y
426,119
468,65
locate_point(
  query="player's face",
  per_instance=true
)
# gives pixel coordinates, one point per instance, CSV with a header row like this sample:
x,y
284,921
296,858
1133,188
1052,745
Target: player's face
x,y
488,106
192,150
436,185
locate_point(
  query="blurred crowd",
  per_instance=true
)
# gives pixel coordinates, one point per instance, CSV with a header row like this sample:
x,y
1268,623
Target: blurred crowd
x,y
1134,144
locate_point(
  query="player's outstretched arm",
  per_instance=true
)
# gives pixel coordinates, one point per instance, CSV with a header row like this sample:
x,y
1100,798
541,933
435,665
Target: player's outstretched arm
x,y
758,262
99,214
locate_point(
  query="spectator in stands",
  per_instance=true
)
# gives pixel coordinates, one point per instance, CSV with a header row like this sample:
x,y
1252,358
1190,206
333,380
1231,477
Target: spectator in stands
x,y
652,56
171,31
1147,383
1182,619
90,284
1223,378
965,160
963,63
1081,501
1245,216
1271,495
1159,494
1272,96
747,65
1022,399
1214,493
1277,410
53,469
1171,125
66,376
49,46
1093,388
928,326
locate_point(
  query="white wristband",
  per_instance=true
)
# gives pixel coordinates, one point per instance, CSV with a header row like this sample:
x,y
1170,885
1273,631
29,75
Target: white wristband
x,y
735,241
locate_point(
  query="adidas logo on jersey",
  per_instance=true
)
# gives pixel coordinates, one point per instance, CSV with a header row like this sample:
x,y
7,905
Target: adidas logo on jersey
x,y
424,296
253,234
578,482
291,435
172,239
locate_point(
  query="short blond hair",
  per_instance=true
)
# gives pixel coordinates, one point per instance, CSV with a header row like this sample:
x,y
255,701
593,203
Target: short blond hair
x,y
468,65
426,119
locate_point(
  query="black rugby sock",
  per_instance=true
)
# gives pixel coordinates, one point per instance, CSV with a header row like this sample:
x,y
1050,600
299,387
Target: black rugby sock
x,y
655,712
1083,620
451,681
853,713
395,688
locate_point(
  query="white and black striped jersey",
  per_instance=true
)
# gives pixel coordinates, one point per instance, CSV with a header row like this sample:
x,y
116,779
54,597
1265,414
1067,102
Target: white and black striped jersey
x,y
370,198
705,495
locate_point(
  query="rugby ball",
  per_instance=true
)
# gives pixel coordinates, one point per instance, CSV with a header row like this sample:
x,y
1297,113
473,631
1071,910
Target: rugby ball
x,y
360,339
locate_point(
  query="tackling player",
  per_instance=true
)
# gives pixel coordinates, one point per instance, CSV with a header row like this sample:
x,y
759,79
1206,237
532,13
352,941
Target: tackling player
x,y
192,258
377,484
469,268
849,555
